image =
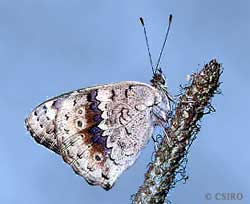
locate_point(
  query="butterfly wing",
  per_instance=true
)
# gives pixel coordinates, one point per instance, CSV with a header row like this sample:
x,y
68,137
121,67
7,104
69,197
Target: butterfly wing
x,y
101,130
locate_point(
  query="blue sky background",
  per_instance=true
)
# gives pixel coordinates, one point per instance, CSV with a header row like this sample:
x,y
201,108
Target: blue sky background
x,y
49,46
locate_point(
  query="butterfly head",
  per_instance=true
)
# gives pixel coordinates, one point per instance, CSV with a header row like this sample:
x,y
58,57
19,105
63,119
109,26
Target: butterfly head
x,y
159,79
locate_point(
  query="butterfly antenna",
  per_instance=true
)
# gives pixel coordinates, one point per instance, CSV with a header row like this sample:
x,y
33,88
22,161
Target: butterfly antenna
x,y
146,38
165,40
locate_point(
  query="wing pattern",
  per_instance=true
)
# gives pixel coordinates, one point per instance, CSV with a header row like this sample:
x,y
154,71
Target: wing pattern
x,y
99,131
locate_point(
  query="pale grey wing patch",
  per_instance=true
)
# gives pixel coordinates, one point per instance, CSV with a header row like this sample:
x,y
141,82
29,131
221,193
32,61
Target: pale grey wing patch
x,y
41,123
127,140
127,120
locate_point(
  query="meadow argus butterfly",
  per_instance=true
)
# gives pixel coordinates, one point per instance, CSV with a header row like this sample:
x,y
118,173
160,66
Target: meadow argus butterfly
x,y
100,131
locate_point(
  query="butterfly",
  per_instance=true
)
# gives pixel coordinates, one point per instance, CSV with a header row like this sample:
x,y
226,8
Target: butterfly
x,y
100,131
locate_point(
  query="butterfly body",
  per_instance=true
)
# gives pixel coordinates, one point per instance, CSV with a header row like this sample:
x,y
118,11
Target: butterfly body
x,y
100,130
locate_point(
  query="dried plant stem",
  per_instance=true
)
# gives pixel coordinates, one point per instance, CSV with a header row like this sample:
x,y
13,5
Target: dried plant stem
x,y
192,105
